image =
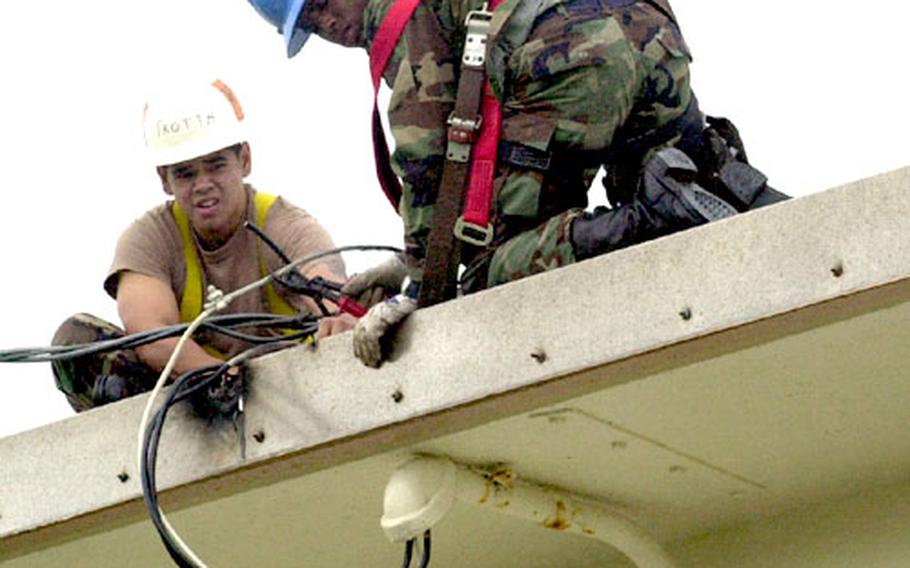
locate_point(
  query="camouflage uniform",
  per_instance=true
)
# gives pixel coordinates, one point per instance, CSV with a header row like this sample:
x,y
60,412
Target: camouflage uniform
x,y
95,380
574,77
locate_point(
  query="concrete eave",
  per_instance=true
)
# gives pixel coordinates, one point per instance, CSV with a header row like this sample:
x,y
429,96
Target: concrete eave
x,y
748,299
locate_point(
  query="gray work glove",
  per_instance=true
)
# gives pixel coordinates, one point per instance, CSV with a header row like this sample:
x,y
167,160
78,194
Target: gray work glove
x,y
372,327
378,283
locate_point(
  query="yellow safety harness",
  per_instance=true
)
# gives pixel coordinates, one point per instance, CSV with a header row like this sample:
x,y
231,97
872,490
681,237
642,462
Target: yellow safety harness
x,y
193,292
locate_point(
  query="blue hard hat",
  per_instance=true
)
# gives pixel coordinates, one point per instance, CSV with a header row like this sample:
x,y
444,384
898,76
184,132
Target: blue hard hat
x,y
283,15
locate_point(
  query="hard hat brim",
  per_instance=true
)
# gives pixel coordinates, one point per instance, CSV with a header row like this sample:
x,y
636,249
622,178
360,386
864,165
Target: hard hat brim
x,y
191,151
294,37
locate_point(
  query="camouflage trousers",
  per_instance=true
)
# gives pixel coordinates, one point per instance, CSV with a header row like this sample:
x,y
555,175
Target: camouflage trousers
x,y
97,379
543,248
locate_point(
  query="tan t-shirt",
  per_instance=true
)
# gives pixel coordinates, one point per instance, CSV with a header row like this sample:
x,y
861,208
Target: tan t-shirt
x,y
152,245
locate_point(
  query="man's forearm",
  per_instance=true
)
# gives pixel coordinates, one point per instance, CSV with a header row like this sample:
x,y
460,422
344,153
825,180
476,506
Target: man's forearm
x,y
192,356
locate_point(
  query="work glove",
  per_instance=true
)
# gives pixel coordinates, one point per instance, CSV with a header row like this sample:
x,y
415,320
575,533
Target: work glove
x,y
376,324
378,283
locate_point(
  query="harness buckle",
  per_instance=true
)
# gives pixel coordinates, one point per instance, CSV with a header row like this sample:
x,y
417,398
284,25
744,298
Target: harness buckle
x,y
475,44
461,135
472,233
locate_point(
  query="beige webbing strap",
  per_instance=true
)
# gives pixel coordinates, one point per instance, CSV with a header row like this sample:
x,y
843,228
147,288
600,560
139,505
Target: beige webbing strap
x,y
440,269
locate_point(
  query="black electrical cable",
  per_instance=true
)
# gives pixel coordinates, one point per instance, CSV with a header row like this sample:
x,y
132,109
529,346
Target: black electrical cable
x,y
182,389
263,321
425,559
62,352
306,324
298,284
317,288
265,238
260,339
408,552
150,455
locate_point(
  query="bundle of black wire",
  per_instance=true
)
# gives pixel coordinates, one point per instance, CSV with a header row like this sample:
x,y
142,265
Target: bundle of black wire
x,y
187,386
184,387
296,327
409,551
315,288
193,382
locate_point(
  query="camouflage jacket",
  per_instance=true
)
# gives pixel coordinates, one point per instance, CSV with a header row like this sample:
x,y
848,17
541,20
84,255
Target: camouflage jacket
x,y
573,77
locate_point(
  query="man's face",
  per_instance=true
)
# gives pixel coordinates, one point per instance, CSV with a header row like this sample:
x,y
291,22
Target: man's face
x,y
210,190
339,21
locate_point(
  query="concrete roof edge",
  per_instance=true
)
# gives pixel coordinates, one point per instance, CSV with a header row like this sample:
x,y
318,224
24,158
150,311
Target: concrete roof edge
x,y
719,287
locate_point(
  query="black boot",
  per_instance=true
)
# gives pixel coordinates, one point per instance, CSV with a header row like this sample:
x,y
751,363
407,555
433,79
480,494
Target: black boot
x,y
744,187
111,388
668,200
725,171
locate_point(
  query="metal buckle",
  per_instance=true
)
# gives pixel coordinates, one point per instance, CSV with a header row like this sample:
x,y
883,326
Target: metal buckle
x,y
475,45
458,152
466,124
473,234
461,136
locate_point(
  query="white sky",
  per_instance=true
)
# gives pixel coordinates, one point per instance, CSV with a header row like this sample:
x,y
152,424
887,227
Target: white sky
x,y
817,89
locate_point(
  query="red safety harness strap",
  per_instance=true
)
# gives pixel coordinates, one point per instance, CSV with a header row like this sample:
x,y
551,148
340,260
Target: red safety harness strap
x,y
474,225
384,43
473,138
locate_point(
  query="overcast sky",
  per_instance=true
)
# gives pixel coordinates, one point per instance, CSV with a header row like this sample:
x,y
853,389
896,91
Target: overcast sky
x,y
818,91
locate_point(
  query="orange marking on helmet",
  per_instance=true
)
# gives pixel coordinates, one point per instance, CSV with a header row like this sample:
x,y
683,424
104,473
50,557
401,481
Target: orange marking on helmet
x,y
230,96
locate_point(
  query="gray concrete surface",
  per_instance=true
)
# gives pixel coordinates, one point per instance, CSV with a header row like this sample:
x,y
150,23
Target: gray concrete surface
x,y
585,329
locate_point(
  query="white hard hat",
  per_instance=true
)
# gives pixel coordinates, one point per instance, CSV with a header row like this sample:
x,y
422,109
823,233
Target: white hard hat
x,y
189,123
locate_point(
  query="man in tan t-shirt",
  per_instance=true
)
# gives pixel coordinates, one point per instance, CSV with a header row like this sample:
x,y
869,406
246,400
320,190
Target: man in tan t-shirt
x,y
168,257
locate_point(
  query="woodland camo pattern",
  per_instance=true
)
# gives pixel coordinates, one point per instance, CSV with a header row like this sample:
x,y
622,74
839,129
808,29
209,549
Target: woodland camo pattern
x,y
571,76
